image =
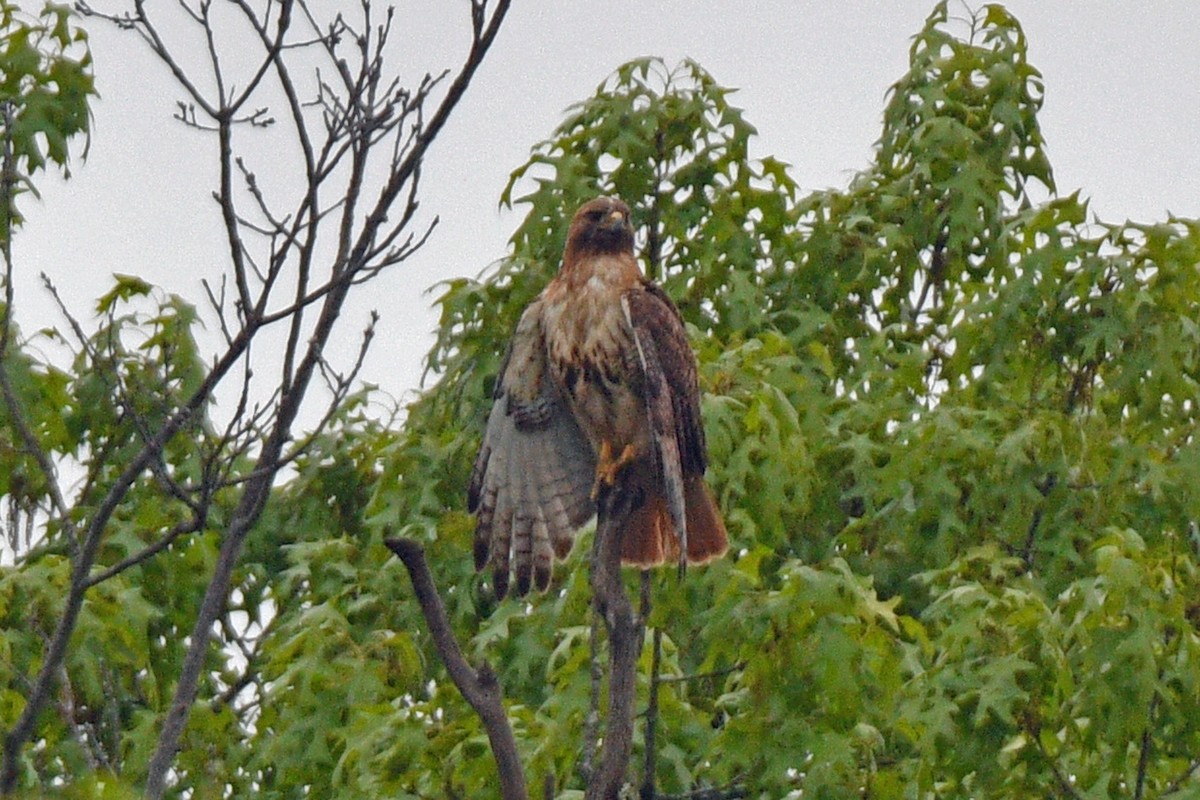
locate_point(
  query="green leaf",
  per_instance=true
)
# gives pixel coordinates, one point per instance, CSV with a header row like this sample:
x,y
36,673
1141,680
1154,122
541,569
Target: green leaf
x,y
126,287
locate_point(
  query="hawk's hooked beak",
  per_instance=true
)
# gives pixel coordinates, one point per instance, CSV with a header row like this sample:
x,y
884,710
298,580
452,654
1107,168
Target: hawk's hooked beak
x,y
616,219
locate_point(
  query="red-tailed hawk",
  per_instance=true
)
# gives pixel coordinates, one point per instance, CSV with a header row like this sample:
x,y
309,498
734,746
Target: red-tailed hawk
x,y
598,390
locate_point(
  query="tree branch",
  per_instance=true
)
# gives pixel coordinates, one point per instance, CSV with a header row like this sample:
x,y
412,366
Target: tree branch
x,y
591,723
35,702
1044,488
11,402
1177,783
1063,782
1144,750
148,552
730,793
479,687
649,791
624,644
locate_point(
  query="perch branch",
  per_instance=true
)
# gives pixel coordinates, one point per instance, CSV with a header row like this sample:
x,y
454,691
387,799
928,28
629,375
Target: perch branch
x,y
624,644
591,723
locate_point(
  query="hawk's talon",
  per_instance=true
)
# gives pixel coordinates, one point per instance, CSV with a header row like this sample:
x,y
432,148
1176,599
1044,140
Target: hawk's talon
x,y
607,468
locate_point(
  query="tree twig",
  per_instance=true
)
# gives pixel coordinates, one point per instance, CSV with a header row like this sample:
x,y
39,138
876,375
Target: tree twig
x,y
702,676
1063,782
729,793
1177,783
649,777
148,552
1044,488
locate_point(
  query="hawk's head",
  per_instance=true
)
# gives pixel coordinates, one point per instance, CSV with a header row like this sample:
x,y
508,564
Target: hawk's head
x,y
601,226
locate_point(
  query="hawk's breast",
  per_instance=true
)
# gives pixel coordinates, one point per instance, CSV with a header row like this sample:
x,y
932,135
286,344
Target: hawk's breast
x,y
593,358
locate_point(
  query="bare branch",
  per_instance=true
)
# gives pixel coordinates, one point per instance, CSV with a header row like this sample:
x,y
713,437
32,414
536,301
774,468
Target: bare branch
x,y
485,34
218,306
1178,782
478,686
141,556
140,22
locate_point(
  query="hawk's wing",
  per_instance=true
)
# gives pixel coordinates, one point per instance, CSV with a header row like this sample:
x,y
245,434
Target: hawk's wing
x,y
672,395
531,485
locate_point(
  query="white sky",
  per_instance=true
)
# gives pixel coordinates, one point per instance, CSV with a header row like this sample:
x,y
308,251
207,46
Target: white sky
x,y
1121,118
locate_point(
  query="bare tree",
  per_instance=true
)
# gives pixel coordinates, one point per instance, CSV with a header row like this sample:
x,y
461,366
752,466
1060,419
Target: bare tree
x,y
362,137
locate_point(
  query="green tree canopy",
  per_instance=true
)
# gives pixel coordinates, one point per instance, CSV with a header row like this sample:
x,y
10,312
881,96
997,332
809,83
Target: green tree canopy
x,y
952,424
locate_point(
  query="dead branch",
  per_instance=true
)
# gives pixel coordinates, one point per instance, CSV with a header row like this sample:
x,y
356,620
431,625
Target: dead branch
x,y
478,686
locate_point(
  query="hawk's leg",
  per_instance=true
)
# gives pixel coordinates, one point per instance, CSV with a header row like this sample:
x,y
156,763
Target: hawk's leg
x,y
607,468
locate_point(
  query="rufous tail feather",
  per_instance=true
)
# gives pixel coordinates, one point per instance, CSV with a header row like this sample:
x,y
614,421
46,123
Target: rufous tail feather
x,y
706,539
649,538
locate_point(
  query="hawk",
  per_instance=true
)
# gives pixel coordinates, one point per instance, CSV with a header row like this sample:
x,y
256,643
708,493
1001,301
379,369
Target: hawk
x,y
598,391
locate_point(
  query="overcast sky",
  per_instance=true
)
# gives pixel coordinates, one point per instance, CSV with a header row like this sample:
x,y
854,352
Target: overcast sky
x,y
1121,118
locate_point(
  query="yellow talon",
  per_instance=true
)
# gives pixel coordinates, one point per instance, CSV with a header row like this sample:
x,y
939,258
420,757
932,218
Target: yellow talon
x,y
607,469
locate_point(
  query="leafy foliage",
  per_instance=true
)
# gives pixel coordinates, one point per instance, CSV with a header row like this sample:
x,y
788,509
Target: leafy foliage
x,y
936,402
951,422
45,86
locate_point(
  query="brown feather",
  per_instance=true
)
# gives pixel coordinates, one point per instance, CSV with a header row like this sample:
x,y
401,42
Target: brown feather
x,y
707,538
649,538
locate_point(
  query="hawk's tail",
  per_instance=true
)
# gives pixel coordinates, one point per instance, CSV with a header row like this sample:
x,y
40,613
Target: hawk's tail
x,y
650,539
